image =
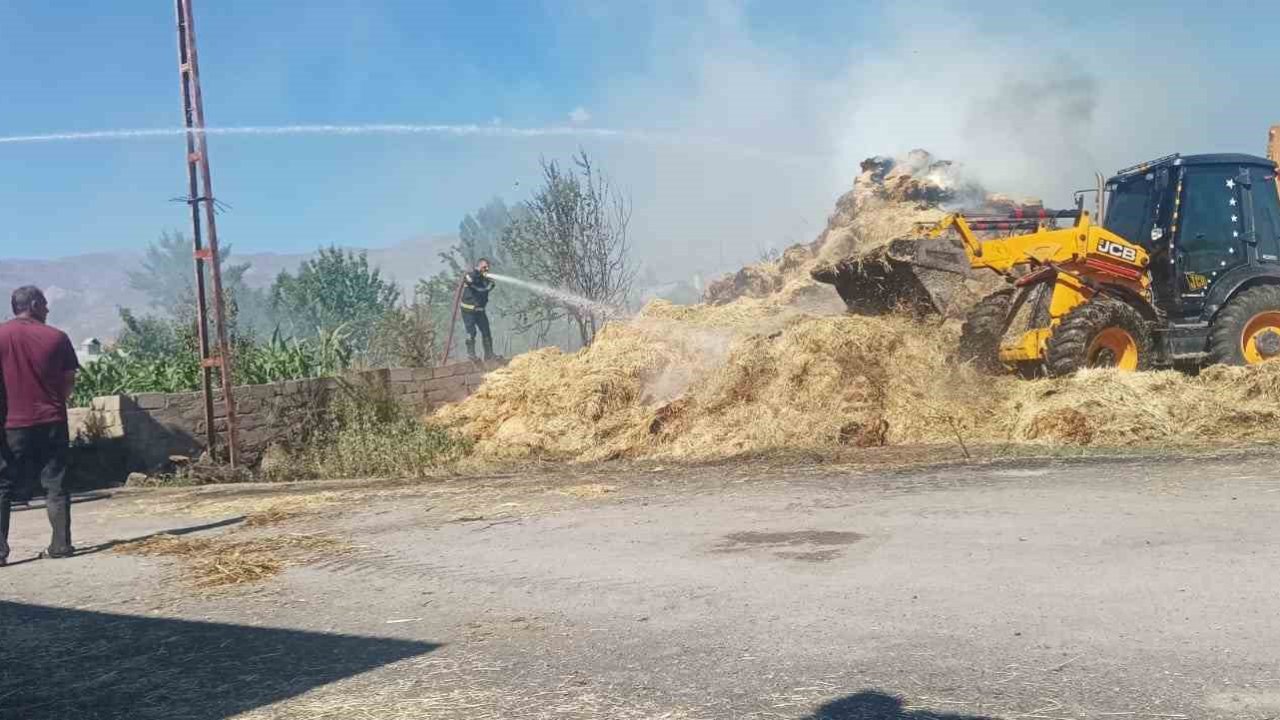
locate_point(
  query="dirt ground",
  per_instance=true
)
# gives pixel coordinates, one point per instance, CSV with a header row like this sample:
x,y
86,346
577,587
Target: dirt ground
x,y
1137,588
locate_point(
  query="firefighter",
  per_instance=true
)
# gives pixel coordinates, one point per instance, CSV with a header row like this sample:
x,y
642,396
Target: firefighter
x,y
475,296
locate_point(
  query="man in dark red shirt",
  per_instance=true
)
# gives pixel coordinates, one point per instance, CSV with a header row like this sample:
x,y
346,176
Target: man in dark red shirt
x,y
39,365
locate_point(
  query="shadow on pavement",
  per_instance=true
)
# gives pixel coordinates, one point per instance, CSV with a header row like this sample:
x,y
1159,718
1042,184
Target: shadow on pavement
x,y
92,549
872,705
23,504
179,531
63,663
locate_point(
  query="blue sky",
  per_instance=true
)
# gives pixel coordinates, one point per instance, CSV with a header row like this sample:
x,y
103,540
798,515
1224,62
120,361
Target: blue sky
x,y
1033,98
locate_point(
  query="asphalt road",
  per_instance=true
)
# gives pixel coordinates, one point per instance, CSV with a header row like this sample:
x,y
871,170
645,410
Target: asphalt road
x,y
1038,590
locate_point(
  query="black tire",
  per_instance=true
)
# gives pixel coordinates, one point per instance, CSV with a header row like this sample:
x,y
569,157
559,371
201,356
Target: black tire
x,y
1073,340
1226,336
982,330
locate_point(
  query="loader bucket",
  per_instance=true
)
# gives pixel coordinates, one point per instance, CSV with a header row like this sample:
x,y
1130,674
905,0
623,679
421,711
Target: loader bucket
x,y
923,276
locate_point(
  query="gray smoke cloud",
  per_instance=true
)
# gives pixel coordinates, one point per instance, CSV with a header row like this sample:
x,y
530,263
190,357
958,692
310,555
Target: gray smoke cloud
x,y
1033,111
733,136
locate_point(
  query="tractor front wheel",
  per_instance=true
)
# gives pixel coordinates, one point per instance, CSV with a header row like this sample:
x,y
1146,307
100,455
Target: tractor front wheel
x,y
982,330
1100,333
1247,331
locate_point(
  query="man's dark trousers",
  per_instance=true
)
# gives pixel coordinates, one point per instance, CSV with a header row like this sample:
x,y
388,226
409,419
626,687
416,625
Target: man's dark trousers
x,y
474,320
38,453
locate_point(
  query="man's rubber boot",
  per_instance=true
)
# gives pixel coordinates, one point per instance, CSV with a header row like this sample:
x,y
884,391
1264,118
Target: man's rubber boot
x,y
5,509
58,508
488,349
51,554
471,350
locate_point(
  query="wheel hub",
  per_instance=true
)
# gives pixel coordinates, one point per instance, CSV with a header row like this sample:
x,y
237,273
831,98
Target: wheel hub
x,y
1268,343
1261,339
1114,347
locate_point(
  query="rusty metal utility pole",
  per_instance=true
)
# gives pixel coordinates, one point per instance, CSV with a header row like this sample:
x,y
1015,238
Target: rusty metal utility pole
x,y
200,188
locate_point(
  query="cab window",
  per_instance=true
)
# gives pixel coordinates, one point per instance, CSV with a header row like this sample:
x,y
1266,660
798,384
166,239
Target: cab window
x,y
1129,209
1211,228
1266,214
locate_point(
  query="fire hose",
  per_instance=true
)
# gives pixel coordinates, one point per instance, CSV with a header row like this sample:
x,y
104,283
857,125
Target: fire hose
x,y
453,322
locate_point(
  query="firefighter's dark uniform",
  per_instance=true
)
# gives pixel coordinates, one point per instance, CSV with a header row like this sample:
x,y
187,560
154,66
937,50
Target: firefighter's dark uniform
x,y
475,296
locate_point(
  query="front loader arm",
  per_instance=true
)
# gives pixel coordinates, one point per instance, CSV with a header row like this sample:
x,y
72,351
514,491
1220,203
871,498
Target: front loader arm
x,y
927,272
1002,255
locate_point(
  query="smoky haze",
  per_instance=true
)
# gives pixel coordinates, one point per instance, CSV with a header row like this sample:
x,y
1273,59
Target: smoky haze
x,y
737,126
1031,111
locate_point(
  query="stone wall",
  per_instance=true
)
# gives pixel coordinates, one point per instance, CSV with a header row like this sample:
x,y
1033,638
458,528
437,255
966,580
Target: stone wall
x,y
151,427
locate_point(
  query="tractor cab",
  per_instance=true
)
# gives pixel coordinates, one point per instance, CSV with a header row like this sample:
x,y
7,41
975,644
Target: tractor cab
x,y
1211,224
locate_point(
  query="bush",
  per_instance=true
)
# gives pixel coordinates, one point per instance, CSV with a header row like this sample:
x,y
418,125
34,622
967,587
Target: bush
x,y
404,337
364,433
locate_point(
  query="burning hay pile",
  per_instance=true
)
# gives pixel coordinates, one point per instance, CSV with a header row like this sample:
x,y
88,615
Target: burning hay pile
x,y
697,383
764,366
887,200
707,381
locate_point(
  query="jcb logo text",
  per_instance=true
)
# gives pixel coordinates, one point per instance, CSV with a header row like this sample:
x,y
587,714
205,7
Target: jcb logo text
x,y
1117,250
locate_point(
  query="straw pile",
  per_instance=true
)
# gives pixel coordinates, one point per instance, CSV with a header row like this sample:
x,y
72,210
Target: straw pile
x,y
1220,406
706,381
695,389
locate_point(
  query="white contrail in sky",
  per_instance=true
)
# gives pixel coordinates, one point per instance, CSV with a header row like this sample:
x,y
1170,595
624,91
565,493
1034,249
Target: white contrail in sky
x,y
489,131
381,129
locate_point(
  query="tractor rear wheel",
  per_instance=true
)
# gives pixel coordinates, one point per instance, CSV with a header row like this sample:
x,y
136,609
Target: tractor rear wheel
x,y
982,330
1100,333
1247,331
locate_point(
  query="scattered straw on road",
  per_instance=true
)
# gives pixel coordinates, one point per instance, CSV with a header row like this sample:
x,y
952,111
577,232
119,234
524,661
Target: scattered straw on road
x,y
212,563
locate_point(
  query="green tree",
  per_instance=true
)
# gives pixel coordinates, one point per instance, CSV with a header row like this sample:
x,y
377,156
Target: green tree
x,y
151,336
251,313
167,276
335,289
480,235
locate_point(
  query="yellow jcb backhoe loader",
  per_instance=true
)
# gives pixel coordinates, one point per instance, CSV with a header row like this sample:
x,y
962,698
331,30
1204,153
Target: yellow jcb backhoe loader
x,y
1183,269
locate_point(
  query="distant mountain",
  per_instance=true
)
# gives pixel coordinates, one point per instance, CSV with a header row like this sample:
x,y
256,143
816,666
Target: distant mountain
x,y
85,290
